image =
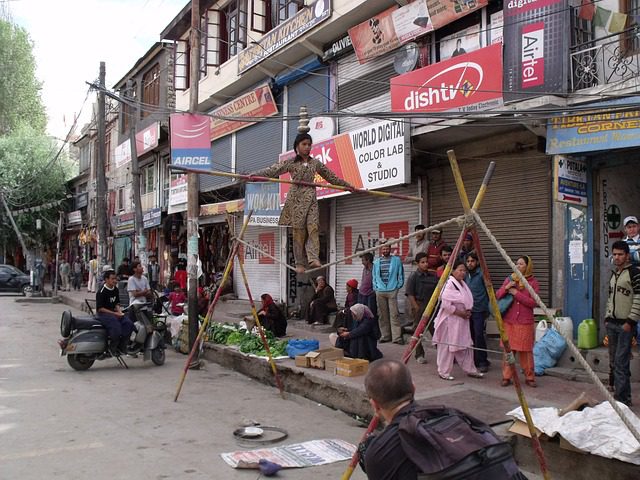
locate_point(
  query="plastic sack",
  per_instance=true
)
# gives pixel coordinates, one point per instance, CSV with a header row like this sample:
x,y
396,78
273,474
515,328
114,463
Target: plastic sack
x,y
301,346
541,329
548,350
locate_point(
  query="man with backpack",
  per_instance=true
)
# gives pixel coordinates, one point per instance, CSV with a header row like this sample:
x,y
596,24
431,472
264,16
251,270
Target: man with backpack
x,y
424,442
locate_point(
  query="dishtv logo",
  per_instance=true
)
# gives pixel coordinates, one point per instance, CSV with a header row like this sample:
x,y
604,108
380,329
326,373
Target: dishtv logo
x,y
532,55
459,79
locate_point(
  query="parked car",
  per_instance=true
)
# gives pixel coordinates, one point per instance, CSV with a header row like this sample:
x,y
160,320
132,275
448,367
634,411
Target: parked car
x,y
14,280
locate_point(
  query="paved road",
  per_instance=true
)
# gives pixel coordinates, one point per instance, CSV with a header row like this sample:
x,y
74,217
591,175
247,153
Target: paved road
x,y
108,423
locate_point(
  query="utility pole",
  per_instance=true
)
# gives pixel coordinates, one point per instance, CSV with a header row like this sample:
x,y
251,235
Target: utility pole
x,y
101,182
27,254
141,239
59,243
193,209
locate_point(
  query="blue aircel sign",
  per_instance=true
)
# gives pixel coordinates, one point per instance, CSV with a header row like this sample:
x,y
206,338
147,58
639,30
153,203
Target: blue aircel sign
x,y
609,125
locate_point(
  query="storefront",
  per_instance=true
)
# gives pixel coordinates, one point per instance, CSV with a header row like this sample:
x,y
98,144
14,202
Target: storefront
x,y
595,154
123,230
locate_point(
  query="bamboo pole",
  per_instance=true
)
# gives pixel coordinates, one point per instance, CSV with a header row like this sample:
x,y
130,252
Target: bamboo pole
x,y
257,178
212,307
537,447
260,329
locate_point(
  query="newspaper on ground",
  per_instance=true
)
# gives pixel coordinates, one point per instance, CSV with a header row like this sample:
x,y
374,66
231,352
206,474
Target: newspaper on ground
x,y
307,454
598,430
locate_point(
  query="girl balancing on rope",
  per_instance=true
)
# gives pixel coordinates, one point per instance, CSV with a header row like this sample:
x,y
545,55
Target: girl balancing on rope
x,y
301,206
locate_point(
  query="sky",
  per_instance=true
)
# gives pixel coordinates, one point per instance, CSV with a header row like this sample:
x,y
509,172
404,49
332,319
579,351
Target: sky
x,y
72,37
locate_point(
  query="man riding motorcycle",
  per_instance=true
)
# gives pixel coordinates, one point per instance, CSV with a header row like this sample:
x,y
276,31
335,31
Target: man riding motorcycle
x,y
110,315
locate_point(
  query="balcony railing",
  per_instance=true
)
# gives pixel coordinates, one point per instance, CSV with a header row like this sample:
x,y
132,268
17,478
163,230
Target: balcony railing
x,y
606,60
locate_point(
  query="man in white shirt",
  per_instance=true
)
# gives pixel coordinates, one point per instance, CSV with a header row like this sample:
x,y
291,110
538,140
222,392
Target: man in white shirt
x,y
139,292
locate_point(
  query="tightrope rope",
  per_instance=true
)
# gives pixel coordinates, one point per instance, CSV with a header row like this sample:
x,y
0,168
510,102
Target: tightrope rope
x,y
574,350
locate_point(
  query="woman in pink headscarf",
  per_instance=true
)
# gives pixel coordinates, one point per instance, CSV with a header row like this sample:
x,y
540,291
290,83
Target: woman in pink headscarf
x,y
452,333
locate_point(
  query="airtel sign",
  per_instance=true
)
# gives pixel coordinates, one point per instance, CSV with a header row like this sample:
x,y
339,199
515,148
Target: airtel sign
x,y
465,83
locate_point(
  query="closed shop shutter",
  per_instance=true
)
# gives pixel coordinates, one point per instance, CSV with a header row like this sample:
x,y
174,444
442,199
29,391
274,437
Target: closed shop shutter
x,y
359,83
516,208
361,221
259,145
378,104
311,91
263,273
221,154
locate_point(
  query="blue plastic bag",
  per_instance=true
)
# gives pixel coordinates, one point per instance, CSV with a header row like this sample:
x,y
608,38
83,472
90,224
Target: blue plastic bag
x,y
301,346
548,350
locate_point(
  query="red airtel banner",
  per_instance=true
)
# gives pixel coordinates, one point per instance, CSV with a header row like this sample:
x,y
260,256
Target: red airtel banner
x,y
465,83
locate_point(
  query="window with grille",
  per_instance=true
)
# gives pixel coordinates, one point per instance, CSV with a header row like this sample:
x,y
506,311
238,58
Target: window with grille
x,y
631,39
128,107
236,25
282,10
150,89
147,176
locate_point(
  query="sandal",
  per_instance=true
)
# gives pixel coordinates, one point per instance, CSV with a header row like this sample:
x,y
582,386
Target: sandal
x,y
446,377
531,383
505,382
475,375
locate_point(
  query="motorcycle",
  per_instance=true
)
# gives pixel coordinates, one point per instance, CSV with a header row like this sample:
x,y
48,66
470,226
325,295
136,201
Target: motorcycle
x,y
84,340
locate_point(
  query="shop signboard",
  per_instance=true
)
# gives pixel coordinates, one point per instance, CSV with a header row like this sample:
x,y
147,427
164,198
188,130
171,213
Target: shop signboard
x,y
263,199
465,83
258,104
125,224
147,139
122,154
74,218
611,127
190,141
285,33
389,30
152,218
82,200
178,195
537,47
570,180
371,157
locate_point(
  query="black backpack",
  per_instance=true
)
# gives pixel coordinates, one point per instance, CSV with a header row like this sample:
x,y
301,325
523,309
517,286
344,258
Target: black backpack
x,y
446,443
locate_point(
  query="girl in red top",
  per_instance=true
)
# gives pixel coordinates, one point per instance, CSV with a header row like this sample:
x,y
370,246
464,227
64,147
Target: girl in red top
x,y
518,320
180,277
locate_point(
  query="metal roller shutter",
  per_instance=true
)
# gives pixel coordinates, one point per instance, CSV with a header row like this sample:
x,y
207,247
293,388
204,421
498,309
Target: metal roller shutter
x,y
352,90
312,91
263,273
361,220
259,145
378,104
221,154
516,207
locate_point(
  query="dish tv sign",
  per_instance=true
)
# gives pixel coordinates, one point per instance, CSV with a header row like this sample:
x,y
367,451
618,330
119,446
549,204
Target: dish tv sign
x,y
465,83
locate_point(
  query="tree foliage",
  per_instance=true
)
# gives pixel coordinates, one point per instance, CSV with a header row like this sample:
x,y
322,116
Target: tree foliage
x,y
20,101
32,175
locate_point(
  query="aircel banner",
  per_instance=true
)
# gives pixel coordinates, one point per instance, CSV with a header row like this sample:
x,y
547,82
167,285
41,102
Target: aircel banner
x,y
370,157
465,83
190,141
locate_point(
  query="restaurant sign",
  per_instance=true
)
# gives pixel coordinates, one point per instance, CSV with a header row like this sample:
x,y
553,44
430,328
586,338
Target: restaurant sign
x,y
284,34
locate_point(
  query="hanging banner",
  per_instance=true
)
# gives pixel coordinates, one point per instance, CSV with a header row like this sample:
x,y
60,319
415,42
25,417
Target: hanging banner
x,y
538,40
389,30
283,34
178,195
264,200
371,157
258,103
465,83
190,141
147,139
122,154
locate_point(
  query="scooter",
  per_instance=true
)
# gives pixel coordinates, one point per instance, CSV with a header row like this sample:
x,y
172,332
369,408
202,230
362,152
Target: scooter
x,y
85,340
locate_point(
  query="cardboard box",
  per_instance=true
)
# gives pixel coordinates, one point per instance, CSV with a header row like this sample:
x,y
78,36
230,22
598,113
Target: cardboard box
x,y
351,367
521,428
303,361
330,366
318,357
567,446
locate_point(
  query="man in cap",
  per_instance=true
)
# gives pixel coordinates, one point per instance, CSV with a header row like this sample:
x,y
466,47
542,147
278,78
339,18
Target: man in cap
x,y
467,247
633,238
434,260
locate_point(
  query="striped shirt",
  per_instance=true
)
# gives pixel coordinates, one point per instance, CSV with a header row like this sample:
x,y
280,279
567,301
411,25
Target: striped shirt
x,y
385,265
